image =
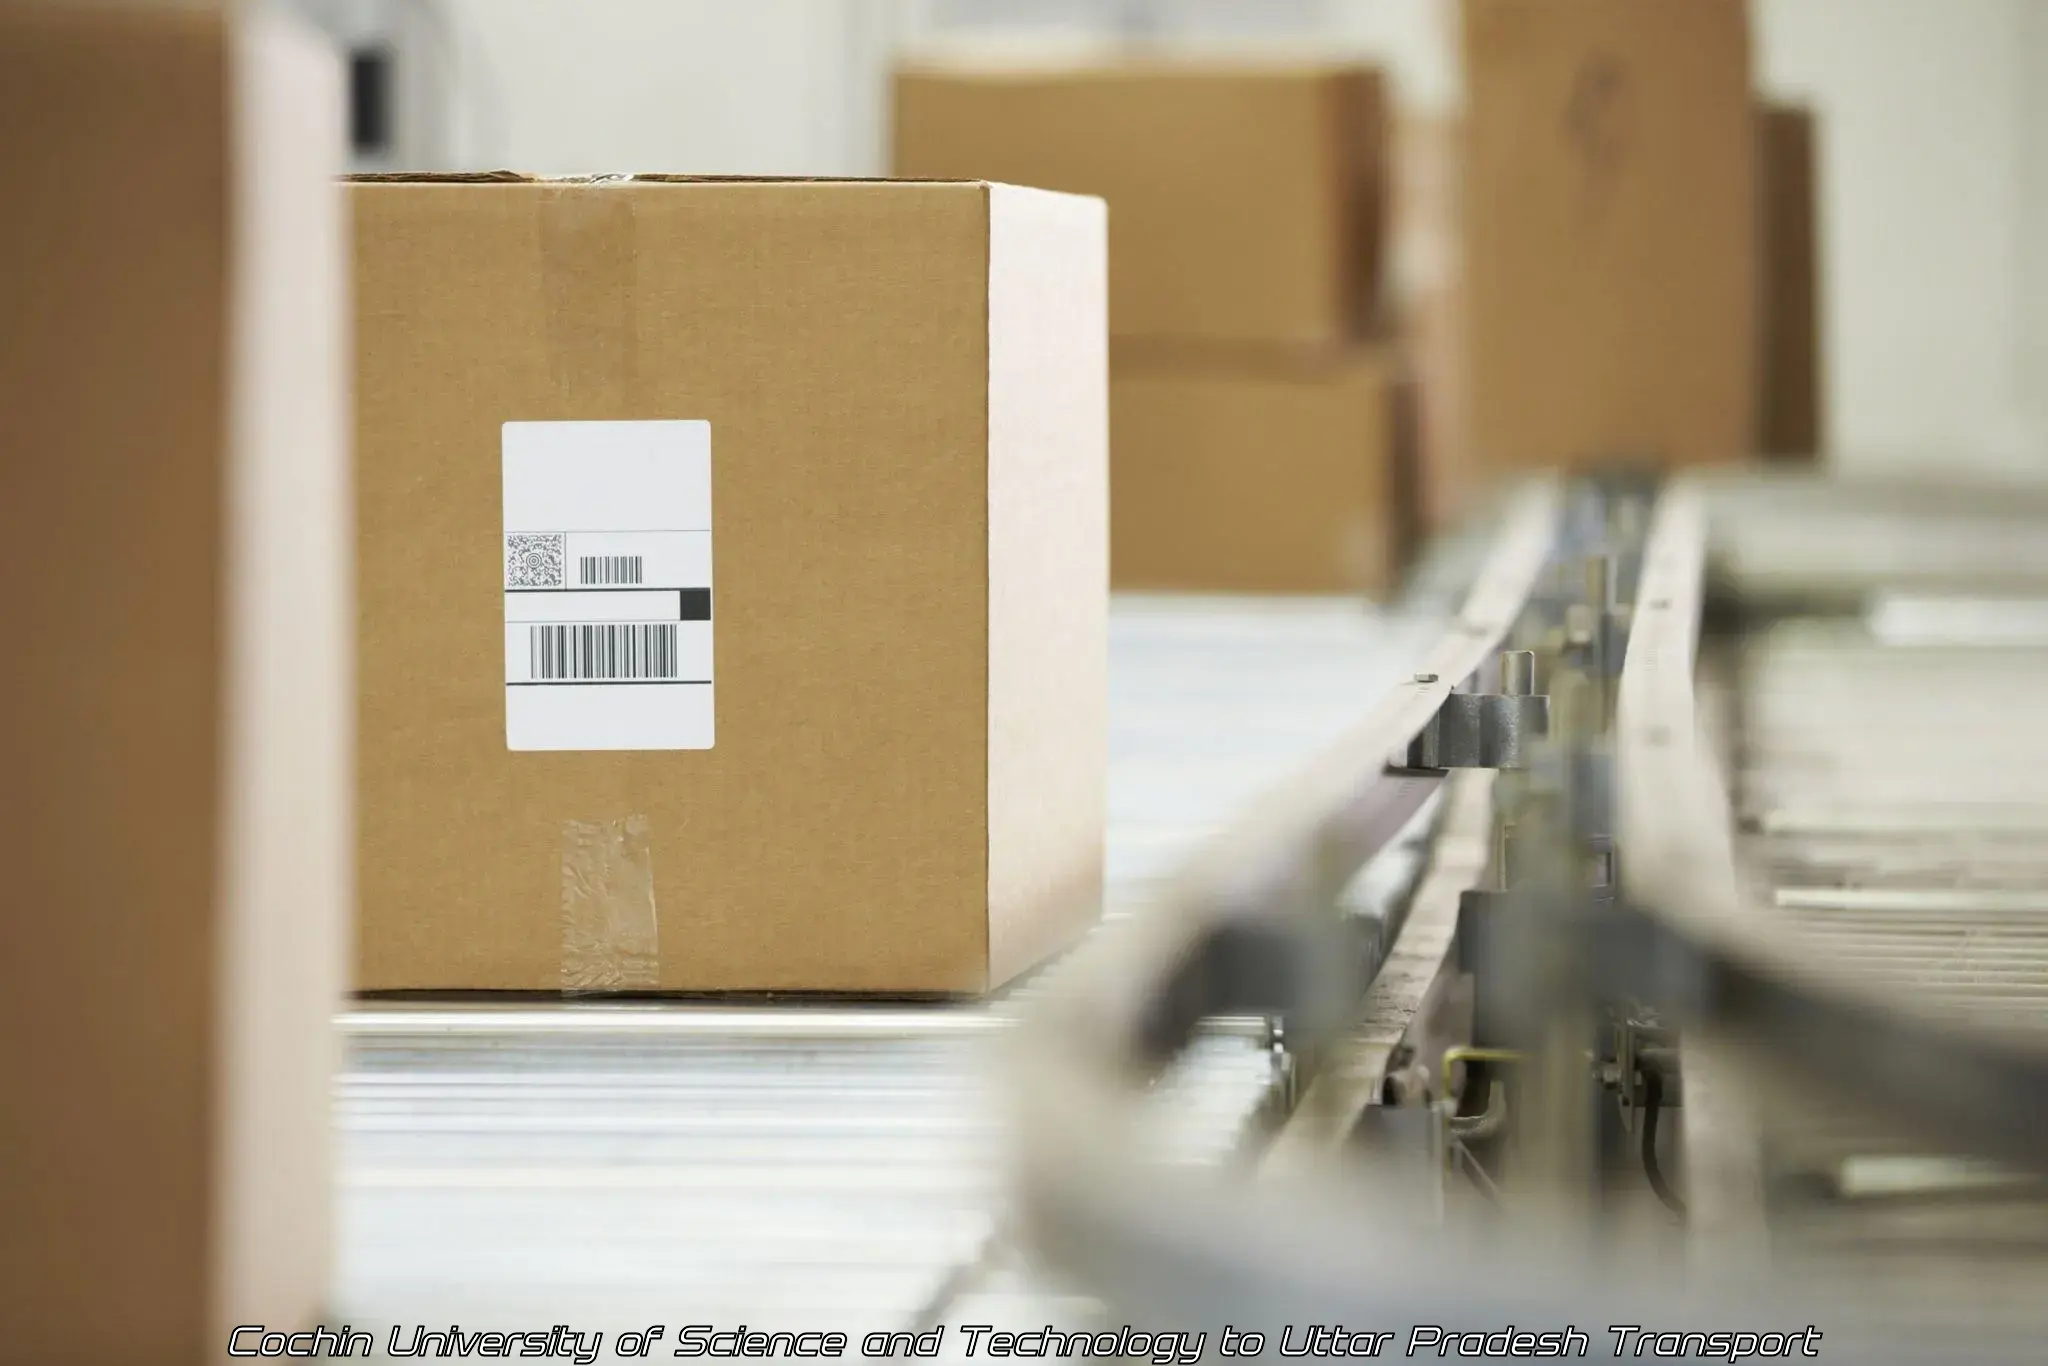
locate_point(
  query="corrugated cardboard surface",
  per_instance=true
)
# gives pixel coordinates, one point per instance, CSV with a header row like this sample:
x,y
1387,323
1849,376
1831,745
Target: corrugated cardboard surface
x,y
837,338
173,815
1609,272
1791,421
1255,475
1245,199
1425,232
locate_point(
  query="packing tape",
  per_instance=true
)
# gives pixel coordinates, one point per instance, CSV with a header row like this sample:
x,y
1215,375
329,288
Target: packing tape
x,y
610,940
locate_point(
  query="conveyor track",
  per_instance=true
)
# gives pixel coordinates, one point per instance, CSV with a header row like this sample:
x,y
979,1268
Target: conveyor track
x,y
1842,924
802,1165
1893,804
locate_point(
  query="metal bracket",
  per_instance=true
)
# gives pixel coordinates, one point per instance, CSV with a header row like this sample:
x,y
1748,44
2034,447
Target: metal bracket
x,y
1486,730
1480,954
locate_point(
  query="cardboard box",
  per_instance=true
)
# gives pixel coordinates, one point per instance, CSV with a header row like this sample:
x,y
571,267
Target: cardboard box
x,y
1608,275
1425,235
1245,198
174,738
1791,416
869,758
1241,475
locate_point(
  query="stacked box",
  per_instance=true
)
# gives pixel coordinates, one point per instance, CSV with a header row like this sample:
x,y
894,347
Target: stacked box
x,y
174,731
1280,474
1245,204
1589,223
732,583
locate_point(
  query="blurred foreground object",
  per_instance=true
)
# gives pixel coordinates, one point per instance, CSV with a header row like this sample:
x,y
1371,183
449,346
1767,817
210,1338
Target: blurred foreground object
x,y
1724,834
175,744
1255,444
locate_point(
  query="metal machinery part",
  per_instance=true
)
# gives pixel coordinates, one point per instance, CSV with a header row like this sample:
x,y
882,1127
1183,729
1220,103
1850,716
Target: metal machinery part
x,y
1756,862
1876,1141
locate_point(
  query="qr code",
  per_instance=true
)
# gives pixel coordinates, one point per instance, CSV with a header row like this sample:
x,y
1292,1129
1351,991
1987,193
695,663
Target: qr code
x,y
533,561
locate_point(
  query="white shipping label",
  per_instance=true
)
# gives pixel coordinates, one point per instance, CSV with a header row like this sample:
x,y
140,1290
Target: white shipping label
x,y
608,585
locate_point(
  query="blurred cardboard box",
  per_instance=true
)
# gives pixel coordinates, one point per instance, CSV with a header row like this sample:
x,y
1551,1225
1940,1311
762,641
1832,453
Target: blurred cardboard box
x,y
1246,201
173,528
1273,476
1791,413
1245,198
1598,298
880,412
1424,249
1609,272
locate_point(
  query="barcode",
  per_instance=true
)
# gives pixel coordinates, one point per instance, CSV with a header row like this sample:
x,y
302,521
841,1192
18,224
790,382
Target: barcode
x,y
607,569
602,652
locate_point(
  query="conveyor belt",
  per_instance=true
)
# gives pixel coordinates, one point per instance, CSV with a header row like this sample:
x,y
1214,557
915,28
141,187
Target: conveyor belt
x,y
797,1166
1896,820
1847,908
1851,921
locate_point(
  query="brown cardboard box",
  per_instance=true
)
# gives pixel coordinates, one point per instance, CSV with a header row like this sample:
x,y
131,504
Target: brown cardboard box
x,y
1245,198
1608,271
174,748
1791,421
1425,232
893,780
1236,475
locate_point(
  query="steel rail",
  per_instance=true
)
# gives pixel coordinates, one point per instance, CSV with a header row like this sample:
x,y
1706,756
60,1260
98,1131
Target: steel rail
x,y
1800,541
1295,1243
1238,930
1415,982
1691,936
1152,977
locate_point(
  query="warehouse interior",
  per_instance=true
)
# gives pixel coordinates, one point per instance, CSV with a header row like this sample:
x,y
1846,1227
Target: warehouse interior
x,y
1181,679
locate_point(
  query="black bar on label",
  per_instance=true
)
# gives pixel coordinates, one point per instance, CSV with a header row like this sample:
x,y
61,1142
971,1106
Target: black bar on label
x,y
696,601
607,682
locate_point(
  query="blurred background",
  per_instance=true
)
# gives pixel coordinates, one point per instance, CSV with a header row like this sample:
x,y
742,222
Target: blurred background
x,y
1931,130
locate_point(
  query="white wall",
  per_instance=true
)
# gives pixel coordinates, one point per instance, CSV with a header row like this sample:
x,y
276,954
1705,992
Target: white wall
x,y
1934,150
1934,214
571,86
1925,124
